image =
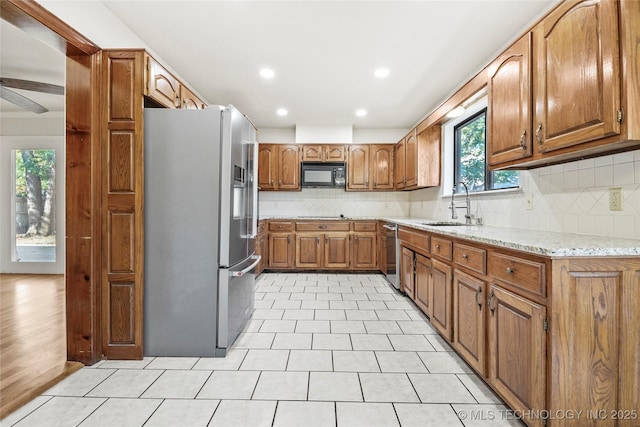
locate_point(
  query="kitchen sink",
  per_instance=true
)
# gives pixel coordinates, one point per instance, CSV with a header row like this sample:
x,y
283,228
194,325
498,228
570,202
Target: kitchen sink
x,y
443,224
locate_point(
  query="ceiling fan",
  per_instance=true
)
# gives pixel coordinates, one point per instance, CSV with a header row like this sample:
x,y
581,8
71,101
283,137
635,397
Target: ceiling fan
x,y
23,101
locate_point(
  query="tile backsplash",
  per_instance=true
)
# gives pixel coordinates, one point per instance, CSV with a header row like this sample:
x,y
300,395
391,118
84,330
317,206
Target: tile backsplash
x,y
572,197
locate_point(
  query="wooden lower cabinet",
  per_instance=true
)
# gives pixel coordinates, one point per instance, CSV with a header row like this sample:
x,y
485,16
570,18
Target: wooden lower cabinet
x,y
365,251
281,251
517,351
469,324
407,269
423,291
441,276
322,250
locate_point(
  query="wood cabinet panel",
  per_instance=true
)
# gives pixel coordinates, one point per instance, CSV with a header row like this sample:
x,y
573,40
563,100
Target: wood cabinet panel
x,y
595,304
517,349
416,239
335,153
189,100
121,162
364,251
509,104
121,313
281,251
288,167
441,284
442,248
161,85
323,153
469,326
267,166
336,250
407,269
280,226
411,159
475,259
312,153
577,91
381,167
358,167
423,288
323,226
121,240
369,226
309,250
400,165
429,157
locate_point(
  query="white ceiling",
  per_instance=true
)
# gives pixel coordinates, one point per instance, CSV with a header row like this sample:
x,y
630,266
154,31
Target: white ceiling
x,y
323,53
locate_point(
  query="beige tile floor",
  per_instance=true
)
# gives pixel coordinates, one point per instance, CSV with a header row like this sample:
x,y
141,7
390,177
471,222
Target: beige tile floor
x,y
321,350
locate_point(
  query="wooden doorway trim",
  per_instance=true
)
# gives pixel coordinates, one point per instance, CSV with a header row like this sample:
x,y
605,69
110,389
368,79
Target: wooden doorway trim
x,y
83,191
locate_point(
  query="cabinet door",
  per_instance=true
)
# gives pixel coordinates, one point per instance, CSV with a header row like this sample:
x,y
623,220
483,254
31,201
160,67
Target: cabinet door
x,y
411,159
288,167
336,250
423,283
577,91
358,168
381,167
189,100
334,153
429,158
442,298
399,160
309,250
267,166
517,349
312,153
280,252
509,104
364,251
469,319
406,272
382,253
161,86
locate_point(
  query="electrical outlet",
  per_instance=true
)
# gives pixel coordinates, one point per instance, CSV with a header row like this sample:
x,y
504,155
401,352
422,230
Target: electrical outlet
x,y
528,197
615,199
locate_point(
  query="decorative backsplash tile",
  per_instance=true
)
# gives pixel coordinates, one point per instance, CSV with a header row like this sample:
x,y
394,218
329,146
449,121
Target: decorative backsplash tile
x,y
573,198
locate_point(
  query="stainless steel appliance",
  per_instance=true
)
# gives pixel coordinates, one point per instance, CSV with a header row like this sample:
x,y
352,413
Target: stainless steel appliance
x,y
331,174
200,225
393,254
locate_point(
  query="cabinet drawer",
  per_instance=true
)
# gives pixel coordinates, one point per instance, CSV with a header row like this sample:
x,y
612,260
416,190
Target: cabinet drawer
x,y
365,226
322,226
414,238
441,247
472,258
522,273
280,226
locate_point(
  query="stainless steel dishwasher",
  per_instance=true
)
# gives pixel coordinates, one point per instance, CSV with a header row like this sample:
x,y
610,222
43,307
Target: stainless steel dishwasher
x,y
393,253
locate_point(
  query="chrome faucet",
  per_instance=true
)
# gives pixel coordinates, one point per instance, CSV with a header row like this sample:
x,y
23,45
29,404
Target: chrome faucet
x,y
454,215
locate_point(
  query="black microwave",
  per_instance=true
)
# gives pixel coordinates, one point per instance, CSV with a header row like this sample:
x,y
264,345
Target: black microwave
x,y
323,175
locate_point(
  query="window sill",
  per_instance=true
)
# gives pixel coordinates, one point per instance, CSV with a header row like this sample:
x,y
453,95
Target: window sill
x,y
462,194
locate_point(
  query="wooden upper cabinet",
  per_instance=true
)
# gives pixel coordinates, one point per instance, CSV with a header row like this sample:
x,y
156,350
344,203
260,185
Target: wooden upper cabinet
x,y
161,85
188,100
577,90
323,153
288,167
381,167
358,167
509,104
267,166
399,160
429,158
411,159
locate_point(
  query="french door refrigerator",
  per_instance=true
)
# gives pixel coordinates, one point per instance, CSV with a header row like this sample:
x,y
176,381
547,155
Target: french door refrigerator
x,y
200,194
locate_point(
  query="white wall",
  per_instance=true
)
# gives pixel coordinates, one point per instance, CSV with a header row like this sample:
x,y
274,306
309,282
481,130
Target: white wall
x,y
573,198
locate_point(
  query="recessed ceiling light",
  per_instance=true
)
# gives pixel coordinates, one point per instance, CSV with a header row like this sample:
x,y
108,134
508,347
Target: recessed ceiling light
x,y
361,113
381,73
267,73
282,112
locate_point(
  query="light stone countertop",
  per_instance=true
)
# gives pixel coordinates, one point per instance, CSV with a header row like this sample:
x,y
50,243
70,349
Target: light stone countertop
x,y
547,243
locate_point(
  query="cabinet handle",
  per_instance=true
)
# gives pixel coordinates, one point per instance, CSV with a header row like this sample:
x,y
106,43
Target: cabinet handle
x,y
538,129
522,143
491,303
322,227
177,102
272,183
479,298
318,240
509,270
326,240
279,182
288,239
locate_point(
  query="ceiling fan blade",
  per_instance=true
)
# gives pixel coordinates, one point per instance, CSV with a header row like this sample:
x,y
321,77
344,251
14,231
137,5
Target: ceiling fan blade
x,y
21,101
32,85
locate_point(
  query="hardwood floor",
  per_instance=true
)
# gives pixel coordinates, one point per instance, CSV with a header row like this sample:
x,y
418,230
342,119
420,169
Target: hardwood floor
x,y
33,353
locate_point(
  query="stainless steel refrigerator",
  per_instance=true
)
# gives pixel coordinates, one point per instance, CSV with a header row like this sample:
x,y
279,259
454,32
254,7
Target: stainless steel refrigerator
x,y
200,196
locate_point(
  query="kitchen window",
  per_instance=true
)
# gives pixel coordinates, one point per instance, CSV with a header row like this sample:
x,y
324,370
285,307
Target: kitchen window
x,y
470,160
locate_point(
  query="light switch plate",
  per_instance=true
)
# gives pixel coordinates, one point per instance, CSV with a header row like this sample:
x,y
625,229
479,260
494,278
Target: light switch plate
x,y
615,199
528,197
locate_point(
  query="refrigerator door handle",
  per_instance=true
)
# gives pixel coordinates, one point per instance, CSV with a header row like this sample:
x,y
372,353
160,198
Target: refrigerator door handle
x,y
254,190
241,273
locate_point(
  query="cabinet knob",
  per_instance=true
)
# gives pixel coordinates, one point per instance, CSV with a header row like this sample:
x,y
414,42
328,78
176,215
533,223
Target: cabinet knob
x,y
437,247
465,257
509,270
